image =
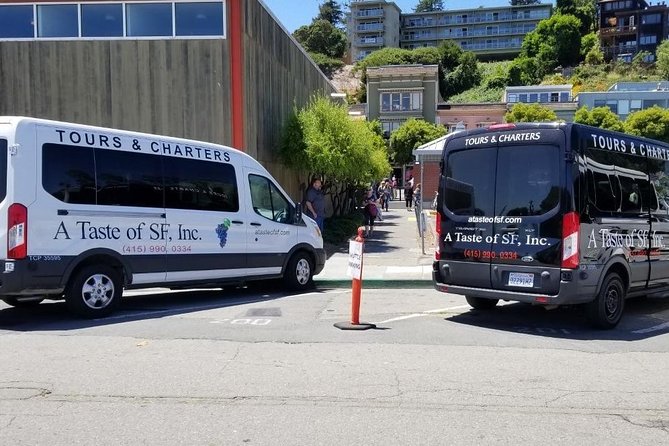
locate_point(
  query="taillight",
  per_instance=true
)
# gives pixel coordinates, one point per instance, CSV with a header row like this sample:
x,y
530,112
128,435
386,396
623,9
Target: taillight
x,y
570,227
437,248
17,232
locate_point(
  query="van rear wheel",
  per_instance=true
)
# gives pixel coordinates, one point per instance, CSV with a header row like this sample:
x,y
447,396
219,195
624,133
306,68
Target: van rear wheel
x,y
480,303
299,274
94,291
607,309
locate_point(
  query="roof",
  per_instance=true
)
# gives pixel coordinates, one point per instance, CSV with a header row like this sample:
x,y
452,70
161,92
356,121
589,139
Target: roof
x,y
402,70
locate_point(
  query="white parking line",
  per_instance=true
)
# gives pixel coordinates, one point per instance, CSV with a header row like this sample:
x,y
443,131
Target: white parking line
x,y
650,329
424,313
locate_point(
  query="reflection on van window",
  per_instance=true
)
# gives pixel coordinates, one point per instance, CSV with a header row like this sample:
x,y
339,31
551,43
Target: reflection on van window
x,y
623,187
200,185
268,201
528,180
135,179
469,182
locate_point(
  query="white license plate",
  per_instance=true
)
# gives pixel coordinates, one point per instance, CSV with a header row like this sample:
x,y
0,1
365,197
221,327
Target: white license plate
x,y
521,279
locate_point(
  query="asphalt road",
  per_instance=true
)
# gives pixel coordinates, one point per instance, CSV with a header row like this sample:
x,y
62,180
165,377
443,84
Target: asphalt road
x,y
259,366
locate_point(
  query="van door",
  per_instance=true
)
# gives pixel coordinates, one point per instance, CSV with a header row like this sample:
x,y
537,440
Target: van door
x,y
468,209
270,230
207,235
527,232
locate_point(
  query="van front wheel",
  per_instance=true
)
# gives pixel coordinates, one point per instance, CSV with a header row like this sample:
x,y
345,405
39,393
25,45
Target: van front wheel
x,y
480,303
607,308
94,291
299,274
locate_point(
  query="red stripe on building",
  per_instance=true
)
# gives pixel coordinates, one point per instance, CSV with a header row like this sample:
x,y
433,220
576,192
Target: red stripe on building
x,y
236,73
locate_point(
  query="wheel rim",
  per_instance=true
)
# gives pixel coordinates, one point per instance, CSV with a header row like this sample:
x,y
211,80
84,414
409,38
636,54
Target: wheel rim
x,y
98,291
611,303
303,271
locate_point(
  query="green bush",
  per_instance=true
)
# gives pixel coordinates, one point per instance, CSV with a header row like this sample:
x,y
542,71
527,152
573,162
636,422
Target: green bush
x,y
340,229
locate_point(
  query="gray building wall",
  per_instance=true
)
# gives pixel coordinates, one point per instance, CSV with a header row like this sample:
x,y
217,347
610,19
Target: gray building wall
x,y
624,98
173,87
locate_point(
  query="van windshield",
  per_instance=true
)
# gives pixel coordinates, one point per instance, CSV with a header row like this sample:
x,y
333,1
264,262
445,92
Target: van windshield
x,y
505,181
3,169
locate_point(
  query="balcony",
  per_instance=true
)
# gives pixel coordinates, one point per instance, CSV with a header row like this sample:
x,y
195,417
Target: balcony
x,y
369,27
369,41
618,30
369,13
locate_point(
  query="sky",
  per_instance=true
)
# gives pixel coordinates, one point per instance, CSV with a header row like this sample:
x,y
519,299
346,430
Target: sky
x,y
294,13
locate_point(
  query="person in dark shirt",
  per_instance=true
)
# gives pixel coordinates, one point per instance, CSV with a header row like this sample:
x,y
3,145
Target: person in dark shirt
x,y
315,202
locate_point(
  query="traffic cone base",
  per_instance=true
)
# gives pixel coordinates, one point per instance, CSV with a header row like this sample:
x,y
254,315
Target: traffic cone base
x,y
352,326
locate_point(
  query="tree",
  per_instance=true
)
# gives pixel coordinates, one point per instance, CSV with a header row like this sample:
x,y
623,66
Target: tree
x,y
465,76
429,5
322,37
662,63
411,135
652,123
331,11
450,54
555,41
522,112
321,139
601,117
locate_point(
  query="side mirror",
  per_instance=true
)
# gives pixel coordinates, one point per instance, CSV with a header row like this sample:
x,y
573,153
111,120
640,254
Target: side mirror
x,y
298,213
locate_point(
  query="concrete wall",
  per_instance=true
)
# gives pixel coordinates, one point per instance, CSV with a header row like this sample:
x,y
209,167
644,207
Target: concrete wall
x,y
174,87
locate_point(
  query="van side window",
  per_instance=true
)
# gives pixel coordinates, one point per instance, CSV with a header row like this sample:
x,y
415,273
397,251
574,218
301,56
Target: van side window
x,y
267,201
129,179
200,185
3,169
68,173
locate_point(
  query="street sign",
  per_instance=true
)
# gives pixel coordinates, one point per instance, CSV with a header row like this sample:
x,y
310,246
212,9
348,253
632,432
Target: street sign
x,y
354,269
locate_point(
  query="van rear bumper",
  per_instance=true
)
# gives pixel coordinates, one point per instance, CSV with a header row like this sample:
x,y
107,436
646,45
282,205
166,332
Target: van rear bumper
x,y
22,278
571,292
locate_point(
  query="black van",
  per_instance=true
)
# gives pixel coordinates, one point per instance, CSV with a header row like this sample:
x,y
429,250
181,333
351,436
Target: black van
x,y
553,214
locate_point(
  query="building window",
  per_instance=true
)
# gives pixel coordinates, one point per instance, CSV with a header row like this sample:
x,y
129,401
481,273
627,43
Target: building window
x,y
564,96
635,105
623,107
651,18
389,127
401,101
533,97
198,19
104,20
149,19
522,97
57,21
16,21
512,97
543,97
647,39
555,97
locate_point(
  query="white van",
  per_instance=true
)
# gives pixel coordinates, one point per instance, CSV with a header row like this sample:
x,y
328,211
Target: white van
x,y
91,211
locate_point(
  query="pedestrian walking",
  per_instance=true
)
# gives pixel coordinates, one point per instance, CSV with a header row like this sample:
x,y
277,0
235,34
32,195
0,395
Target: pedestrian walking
x,y
369,212
408,195
315,203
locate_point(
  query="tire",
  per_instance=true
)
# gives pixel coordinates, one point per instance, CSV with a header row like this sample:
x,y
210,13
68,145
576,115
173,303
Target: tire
x,y
14,302
481,303
299,274
607,309
94,291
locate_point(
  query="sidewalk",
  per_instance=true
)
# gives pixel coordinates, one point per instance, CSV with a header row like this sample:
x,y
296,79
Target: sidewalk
x,y
393,255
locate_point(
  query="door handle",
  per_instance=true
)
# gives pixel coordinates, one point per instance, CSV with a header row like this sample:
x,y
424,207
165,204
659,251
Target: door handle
x,y
509,229
255,224
237,222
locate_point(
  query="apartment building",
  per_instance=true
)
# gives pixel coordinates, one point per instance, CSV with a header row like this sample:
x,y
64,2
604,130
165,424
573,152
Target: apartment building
x,y
491,33
372,25
624,98
628,27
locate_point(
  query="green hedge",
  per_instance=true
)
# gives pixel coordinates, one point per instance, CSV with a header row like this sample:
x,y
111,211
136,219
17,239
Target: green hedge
x,y
340,229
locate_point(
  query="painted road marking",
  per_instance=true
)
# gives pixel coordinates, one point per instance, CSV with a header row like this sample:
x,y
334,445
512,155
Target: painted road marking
x,y
429,312
651,329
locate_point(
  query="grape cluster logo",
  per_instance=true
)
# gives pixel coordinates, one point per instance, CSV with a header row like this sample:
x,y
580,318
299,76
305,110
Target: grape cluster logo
x,y
222,232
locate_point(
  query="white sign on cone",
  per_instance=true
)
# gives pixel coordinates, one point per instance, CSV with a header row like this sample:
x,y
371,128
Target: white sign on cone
x,y
354,269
